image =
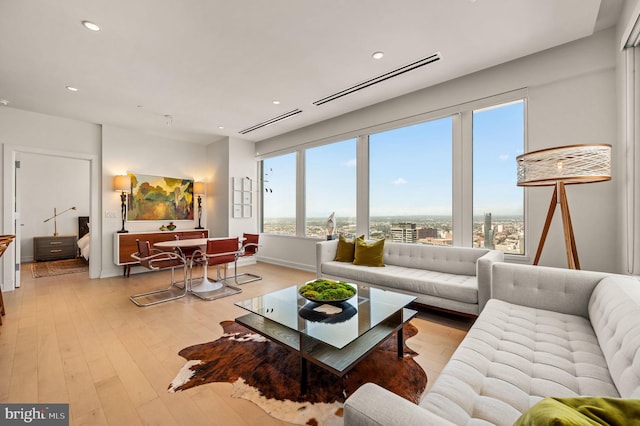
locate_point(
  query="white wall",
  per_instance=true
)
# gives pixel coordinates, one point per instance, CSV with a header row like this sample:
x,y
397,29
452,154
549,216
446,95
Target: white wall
x,y
45,183
228,158
124,151
572,99
24,131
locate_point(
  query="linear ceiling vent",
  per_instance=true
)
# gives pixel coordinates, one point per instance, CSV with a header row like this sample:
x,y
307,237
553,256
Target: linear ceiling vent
x,y
410,67
271,121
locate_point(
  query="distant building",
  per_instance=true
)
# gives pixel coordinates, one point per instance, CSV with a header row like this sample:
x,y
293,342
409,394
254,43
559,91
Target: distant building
x,y
488,232
424,233
404,232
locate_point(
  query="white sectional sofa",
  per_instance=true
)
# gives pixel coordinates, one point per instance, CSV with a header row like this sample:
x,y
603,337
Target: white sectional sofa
x,y
451,278
545,332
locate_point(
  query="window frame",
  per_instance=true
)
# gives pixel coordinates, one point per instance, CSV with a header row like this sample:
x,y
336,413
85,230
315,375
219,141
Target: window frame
x,y
462,167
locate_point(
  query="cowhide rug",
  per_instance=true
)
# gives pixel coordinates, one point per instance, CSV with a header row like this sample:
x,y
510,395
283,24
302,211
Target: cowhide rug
x,y
269,375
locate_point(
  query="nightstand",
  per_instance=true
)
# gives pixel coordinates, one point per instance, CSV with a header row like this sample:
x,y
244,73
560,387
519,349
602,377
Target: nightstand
x,y
53,248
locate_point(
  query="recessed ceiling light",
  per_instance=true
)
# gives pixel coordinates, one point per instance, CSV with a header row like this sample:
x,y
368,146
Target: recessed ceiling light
x,y
221,127
377,55
276,102
72,89
90,26
4,102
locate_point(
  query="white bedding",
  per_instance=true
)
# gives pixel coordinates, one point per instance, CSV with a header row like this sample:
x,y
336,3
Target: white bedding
x,y
83,244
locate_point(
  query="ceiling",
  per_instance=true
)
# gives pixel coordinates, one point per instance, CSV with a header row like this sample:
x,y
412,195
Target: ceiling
x,y
183,69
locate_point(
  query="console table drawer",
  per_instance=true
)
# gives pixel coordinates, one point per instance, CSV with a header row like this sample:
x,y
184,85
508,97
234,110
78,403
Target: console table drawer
x,y
52,248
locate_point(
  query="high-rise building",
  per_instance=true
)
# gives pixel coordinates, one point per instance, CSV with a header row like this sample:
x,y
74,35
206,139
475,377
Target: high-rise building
x,y
427,233
404,232
488,232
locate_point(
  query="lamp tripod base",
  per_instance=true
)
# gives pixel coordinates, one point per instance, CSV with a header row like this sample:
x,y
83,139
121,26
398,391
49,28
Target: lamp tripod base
x,y
560,197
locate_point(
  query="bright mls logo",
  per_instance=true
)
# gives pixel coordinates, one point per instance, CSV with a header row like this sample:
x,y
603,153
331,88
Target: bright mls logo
x,y
38,414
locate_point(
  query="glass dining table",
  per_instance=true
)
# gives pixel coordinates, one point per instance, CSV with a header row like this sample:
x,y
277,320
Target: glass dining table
x,y
205,288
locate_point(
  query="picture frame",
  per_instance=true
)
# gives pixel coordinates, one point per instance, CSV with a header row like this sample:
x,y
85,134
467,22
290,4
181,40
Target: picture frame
x,y
160,198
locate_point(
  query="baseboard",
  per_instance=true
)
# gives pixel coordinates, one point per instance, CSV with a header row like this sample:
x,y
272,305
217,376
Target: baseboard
x,y
293,265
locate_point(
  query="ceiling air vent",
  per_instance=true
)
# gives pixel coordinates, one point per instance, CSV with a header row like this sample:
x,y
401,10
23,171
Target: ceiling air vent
x,y
410,67
271,121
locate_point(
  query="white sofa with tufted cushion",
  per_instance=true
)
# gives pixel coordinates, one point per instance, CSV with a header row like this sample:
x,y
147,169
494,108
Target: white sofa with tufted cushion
x,y
545,332
451,278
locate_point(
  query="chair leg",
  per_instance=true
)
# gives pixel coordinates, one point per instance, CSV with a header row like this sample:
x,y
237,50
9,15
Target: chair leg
x,y
156,296
1,307
253,277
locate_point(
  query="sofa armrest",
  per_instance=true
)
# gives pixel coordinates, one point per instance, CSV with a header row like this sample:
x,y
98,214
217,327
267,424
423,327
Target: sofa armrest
x,y
374,405
555,289
483,275
325,252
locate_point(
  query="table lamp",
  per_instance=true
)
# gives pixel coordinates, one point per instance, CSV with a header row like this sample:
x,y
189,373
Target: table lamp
x,y
55,215
122,183
198,188
560,166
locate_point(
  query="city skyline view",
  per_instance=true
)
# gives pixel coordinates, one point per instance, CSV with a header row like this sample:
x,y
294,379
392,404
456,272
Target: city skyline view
x,y
411,173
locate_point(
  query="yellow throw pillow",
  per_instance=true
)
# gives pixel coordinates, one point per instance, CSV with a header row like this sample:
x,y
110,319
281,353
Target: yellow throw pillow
x,y
346,249
369,254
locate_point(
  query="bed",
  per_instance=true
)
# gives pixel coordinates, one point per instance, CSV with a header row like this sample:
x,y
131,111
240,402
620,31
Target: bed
x,y
84,236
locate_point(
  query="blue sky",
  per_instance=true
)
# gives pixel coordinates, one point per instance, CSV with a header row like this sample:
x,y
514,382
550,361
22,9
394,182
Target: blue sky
x,y
410,170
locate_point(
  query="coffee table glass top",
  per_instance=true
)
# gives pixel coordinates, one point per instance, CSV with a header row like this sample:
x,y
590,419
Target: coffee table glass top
x,y
368,308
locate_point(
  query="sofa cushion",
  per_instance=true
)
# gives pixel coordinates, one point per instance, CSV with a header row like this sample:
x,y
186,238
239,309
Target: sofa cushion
x,y
614,311
451,260
513,357
462,288
345,249
368,253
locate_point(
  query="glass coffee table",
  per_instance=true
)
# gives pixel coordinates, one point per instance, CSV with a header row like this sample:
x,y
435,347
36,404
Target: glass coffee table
x,y
335,341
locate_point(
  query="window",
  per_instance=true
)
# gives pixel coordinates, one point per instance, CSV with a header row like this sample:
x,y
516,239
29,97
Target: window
x,y
410,183
498,203
330,181
279,195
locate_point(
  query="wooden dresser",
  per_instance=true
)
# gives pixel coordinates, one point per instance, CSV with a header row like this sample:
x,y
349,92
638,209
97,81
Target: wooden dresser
x,y
54,248
124,245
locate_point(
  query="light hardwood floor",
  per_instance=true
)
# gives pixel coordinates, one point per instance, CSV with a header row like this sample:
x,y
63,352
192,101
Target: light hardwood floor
x,y
79,341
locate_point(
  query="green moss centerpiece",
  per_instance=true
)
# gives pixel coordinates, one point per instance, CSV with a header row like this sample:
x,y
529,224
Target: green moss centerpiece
x,y
327,291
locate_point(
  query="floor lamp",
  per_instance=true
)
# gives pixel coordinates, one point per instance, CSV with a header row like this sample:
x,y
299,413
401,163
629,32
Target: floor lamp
x,y
558,167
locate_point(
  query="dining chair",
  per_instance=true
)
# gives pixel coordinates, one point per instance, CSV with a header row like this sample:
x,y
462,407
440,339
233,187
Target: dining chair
x,y
250,244
157,260
219,252
5,240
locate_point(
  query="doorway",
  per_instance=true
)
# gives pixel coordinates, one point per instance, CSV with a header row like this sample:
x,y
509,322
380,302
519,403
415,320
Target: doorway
x,y
14,200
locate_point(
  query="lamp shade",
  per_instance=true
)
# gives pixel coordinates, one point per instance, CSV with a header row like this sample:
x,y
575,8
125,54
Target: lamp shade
x,y
198,187
122,183
568,164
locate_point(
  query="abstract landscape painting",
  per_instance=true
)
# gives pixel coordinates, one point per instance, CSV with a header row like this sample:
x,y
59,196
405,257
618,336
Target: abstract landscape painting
x,y
160,198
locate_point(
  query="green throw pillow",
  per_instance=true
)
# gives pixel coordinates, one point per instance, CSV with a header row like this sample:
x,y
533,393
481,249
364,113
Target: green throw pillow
x,y
369,254
582,411
346,249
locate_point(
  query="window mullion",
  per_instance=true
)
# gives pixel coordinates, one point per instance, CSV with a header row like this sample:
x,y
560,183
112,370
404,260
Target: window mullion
x,y
300,193
362,182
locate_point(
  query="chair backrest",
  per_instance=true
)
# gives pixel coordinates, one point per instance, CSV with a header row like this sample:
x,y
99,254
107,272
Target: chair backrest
x,y
219,246
5,241
250,243
144,251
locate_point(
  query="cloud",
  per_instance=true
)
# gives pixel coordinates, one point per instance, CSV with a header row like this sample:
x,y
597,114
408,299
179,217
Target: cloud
x,y
503,157
350,163
400,181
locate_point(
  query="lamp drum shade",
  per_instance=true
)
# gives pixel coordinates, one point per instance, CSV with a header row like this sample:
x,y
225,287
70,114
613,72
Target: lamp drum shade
x,y
570,164
198,187
122,183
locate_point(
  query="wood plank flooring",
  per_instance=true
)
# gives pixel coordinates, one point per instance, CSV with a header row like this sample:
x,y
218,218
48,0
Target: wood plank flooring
x,y
79,341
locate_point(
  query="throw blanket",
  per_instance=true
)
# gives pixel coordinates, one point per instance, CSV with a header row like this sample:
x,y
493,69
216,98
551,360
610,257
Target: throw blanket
x,y
583,411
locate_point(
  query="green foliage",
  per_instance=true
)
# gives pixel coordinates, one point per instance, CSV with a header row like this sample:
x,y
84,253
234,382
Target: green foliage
x,y
327,290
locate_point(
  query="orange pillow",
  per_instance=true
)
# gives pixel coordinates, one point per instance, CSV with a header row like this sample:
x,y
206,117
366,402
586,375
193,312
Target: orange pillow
x,y
369,254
